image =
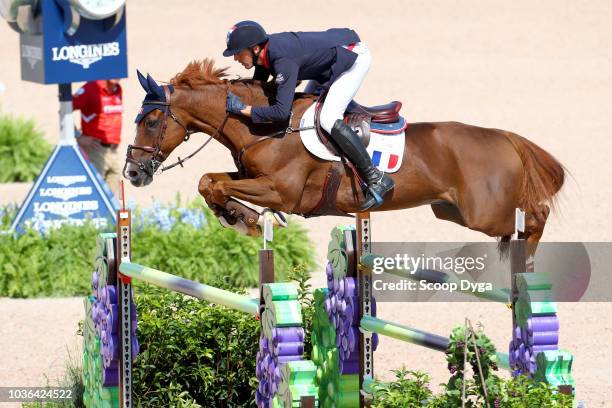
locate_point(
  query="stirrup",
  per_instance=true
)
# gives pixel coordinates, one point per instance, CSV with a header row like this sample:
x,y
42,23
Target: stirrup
x,y
373,198
369,204
378,199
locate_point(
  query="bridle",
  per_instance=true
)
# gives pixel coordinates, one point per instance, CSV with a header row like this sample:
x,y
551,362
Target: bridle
x,y
154,163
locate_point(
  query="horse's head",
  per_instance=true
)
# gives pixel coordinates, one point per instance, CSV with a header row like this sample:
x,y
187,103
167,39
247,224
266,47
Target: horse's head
x,y
156,135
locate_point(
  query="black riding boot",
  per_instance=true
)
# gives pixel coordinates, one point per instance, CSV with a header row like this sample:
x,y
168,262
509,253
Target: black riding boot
x,y
378,182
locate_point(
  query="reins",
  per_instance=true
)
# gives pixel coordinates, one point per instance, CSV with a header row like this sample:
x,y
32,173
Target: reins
x,y
155,163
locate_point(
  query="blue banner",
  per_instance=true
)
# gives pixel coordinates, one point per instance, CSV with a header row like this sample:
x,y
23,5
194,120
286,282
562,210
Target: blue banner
x,y
97,50
68,190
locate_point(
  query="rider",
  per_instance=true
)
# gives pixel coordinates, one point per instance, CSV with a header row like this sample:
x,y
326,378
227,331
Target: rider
x,y
335,60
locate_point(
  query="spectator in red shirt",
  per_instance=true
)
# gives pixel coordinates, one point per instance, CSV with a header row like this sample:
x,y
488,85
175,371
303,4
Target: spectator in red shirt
x,y
101,106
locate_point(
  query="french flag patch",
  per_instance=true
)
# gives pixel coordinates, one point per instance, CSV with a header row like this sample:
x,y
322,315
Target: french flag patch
x,y
387,149
384,161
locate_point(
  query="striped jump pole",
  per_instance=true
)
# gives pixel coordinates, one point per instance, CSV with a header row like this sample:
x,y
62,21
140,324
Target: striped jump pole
x,y
415,336
189,287
404,333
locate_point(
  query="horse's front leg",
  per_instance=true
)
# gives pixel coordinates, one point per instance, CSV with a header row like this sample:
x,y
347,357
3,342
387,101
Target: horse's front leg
x,y
259,191
206,185
219,191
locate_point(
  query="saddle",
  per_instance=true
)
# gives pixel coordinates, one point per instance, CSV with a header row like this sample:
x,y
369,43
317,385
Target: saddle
x,y
386,149
360,118
388,113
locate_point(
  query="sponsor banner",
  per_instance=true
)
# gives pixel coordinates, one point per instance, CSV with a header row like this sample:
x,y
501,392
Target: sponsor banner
x,y
85,54
93,52
68,190
44,224
65,193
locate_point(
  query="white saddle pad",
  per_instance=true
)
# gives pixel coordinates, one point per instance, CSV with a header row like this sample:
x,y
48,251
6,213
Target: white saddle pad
x,y
386,150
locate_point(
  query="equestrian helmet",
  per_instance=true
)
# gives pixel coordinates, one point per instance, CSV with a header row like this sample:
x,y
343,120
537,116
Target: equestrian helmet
x,y
244,34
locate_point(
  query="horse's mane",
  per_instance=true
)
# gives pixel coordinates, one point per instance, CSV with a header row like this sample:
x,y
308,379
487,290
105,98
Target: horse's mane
x,y
202,72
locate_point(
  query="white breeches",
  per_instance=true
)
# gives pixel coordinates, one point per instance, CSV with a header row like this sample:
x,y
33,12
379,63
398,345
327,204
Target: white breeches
x,y
344,89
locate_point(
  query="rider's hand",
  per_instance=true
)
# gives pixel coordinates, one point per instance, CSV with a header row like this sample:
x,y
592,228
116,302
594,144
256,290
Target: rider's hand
x,y
233,104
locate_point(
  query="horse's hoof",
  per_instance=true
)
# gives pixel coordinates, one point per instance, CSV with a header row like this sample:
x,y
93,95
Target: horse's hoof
x,y
242,212
239,226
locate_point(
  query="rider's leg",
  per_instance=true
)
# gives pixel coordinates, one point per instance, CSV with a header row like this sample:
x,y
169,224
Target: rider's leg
x,y
377,181
344,89
340,94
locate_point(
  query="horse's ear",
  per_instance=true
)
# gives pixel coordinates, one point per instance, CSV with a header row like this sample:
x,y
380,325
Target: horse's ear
x,y
155,89
143,81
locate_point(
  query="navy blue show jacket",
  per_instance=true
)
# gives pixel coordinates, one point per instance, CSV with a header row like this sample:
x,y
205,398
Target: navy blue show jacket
x,y
294,56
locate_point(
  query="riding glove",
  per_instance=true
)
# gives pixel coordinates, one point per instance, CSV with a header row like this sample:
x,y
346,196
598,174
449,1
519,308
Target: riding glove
x,y
233,104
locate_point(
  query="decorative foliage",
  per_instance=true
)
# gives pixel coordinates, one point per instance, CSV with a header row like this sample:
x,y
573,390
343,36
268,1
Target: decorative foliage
x,y
23,151
410,389
193,353
475,349
187,241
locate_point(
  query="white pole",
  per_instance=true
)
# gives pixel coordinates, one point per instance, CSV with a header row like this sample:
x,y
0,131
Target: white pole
x,y
65,115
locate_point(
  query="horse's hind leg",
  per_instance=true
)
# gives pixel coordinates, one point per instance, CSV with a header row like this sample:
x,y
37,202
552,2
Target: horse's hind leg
x,y
476,208
534,228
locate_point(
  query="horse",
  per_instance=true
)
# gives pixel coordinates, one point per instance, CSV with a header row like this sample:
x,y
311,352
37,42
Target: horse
x,y
473,176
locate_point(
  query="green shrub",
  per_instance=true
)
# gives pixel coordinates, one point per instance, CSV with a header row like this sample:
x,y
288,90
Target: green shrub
x,y
60,263
485,361
23,151
197,355
7,214
411,388
193,354
219,252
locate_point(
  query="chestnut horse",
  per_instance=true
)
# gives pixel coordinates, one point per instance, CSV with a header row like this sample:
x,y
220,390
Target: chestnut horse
x,y
469,175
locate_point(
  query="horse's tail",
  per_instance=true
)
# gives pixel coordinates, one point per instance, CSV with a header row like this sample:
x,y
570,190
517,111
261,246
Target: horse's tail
x,y
543,177
543,174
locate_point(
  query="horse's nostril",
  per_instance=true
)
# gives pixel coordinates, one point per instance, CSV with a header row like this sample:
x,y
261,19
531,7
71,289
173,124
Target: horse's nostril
x,y
133,174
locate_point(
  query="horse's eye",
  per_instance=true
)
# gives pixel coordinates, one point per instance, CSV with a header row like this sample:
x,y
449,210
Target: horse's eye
x,y
151,123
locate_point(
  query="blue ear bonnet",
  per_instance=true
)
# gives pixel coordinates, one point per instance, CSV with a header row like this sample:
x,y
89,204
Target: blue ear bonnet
x,y
155,93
